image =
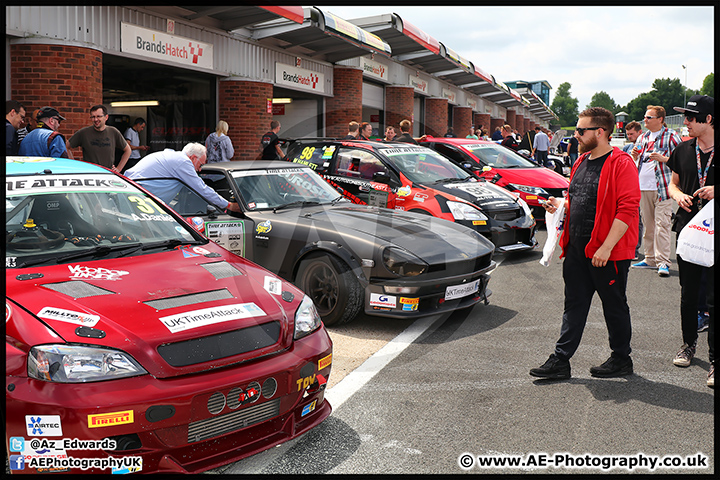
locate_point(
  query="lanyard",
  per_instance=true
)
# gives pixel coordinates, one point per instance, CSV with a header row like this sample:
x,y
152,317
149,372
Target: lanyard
x,y
702,177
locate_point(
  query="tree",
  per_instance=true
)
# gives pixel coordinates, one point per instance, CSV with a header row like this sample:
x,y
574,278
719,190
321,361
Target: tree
x,y
708,86
602,99
565,106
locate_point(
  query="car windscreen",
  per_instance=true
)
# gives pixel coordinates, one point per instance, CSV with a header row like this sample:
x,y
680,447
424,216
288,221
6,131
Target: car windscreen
x,y
497,156
271,188
55,216
422,165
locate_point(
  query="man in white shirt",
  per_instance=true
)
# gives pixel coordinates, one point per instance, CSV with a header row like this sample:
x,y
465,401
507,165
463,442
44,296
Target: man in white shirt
x,y
168,165
541,145
132,135
652,151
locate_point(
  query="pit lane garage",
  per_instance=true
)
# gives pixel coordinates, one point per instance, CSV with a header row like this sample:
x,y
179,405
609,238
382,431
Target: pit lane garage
x,y
348,258
126,326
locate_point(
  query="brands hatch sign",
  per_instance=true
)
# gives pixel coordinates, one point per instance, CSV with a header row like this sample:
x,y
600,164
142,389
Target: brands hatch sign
x,y
162,46
299,78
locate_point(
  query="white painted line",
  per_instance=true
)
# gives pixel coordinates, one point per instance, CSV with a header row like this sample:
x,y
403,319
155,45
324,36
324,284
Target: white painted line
x,y
356,379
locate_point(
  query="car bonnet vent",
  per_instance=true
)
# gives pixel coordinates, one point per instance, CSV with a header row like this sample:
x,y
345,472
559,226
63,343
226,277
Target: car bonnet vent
x,y
222,270
78,289
191,299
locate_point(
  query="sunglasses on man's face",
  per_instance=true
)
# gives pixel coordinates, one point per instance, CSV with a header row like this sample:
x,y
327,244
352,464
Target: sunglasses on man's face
x,y
581,131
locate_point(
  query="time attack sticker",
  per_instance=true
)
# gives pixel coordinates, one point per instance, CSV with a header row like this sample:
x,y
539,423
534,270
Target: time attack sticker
x,y
209,316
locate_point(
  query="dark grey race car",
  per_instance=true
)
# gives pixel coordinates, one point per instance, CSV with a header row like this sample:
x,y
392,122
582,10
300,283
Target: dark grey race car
x,y
346,257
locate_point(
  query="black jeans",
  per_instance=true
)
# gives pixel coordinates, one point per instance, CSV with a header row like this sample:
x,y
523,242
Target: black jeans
x,y
690,282
582,280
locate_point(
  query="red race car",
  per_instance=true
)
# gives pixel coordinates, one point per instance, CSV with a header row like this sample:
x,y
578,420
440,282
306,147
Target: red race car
x,y
133,343
503,167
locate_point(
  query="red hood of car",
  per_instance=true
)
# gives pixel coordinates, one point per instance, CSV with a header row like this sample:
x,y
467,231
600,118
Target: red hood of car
x,y
138,303
537,177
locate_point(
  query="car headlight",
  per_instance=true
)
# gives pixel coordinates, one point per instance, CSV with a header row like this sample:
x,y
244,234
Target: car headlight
x,y
401,262
465,211
307,318
79,363
529,189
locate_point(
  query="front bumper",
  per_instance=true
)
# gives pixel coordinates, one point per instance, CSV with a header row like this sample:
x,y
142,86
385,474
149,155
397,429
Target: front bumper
x,y
413,299
185,424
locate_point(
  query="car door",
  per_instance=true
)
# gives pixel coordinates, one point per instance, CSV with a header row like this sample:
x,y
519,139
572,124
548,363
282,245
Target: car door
x,y
356,171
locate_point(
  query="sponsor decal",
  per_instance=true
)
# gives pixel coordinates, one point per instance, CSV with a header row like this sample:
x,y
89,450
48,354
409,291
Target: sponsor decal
x,y
57,183
264,227
404,191
409,304
479,222
110,419
305,382
324,362
531,197
308,408
10,262
460,291
230,235
77,318
210,316
92,273
381,300
420,197
273,285
43,425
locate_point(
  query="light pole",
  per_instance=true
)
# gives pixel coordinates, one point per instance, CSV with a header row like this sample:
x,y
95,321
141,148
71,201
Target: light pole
x,y
685,93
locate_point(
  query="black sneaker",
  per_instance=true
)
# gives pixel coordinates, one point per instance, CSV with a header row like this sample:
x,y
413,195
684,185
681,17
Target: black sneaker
x,y
554,368
613,367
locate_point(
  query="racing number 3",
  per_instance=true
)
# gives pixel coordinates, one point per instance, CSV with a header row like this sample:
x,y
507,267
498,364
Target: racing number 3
x,y
145,206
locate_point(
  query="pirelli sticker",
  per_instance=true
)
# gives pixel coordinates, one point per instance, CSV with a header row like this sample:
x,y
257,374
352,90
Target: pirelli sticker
x,y
110,419
324,362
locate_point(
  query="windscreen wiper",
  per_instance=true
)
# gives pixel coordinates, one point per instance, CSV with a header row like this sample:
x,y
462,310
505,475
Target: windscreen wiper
x,y
299,202
99,251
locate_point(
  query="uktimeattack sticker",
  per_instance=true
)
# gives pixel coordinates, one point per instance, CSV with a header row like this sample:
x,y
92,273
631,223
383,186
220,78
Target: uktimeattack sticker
x,y
209,316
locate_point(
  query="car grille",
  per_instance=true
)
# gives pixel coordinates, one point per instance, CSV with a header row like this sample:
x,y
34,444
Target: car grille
x,y
504,215
215,347
192,299
78,289
216,426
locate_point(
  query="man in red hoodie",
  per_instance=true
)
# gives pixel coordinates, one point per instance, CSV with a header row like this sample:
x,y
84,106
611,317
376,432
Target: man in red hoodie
x,y
598,242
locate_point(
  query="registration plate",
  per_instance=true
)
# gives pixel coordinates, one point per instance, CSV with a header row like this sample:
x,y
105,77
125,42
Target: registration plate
x,y
460,291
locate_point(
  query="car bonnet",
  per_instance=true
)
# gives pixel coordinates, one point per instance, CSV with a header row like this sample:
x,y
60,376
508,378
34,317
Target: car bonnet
x,y
432,239
138,304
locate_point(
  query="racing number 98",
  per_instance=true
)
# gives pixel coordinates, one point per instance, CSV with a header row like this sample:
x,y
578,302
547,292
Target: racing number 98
x,y
307,153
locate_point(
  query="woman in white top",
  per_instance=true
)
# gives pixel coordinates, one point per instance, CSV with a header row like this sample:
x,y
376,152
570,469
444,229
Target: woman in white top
x,y
218,144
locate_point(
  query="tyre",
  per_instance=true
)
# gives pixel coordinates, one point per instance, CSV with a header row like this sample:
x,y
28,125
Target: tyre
x,y
332,286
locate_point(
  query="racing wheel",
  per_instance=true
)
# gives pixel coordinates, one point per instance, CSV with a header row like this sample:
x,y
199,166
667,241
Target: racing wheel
x,y
32,237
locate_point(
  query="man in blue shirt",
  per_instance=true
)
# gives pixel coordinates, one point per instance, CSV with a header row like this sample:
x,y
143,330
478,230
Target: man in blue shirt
x,y
168,165
541,144
45,141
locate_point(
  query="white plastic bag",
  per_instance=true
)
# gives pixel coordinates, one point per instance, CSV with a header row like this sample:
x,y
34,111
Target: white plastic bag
x,y
554,223
695,244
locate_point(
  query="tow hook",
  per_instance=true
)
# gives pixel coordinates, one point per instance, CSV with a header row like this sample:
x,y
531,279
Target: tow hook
x,y
319,384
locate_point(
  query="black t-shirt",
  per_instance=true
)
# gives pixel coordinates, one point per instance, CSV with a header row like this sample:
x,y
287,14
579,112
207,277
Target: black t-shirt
x,y
268,141
510,142
573,143
583,199
683,161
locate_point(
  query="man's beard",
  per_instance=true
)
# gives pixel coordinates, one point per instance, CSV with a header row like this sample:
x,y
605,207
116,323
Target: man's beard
x,y
587,146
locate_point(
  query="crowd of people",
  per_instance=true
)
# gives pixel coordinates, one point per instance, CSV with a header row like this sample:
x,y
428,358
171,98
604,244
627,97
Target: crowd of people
x,y
617,200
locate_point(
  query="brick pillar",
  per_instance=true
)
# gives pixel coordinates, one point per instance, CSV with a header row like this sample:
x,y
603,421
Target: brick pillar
x,y
462,120
346,103
496,122
399,105
65,77
436,116
511,115
243,105
520,123
527,124
484,120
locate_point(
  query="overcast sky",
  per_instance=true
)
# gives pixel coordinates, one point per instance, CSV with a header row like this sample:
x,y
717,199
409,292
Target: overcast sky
x,y
619,50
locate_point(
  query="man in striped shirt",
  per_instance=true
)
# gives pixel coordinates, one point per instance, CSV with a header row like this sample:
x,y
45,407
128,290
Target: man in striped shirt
x,y
652,151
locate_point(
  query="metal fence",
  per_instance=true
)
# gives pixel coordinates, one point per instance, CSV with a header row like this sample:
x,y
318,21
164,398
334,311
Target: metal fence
x,y
673,122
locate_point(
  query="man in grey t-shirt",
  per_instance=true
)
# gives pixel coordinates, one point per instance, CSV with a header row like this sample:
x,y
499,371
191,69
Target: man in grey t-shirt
x,y
99,141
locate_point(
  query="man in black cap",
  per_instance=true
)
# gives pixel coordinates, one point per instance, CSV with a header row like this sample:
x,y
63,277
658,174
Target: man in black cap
x,y
45,141
692,185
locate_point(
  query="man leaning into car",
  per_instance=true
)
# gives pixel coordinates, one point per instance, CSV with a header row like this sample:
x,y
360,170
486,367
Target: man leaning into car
x,y
598,243
168,165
